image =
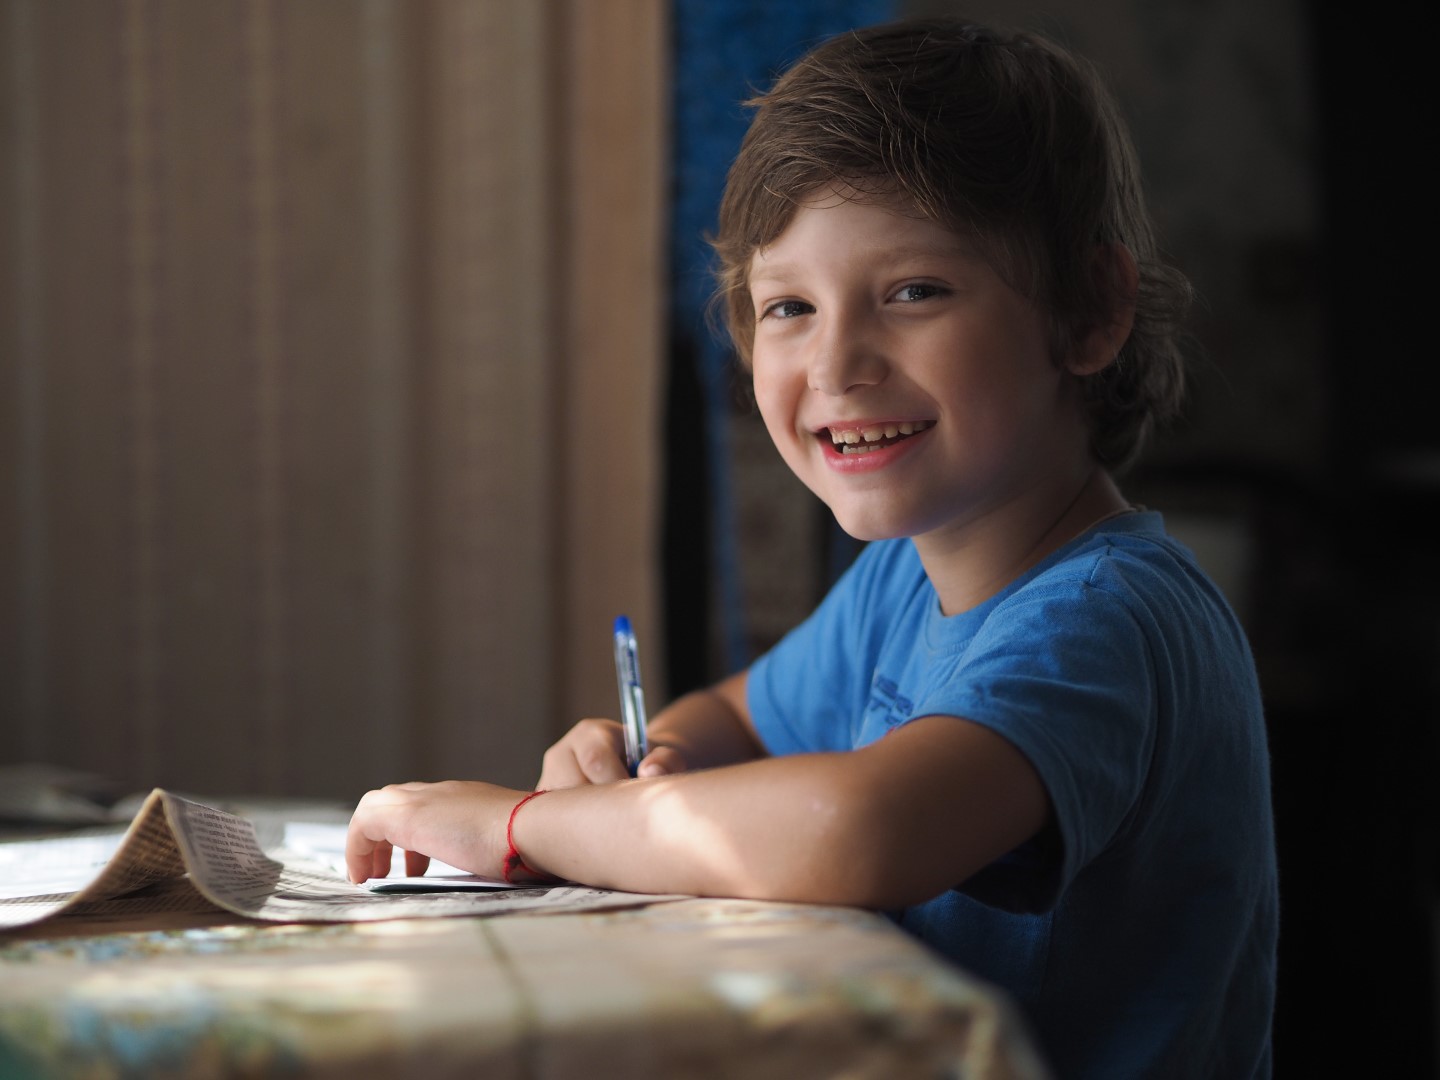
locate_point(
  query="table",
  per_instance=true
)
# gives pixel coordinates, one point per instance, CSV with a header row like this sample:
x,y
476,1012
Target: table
x,y
690,988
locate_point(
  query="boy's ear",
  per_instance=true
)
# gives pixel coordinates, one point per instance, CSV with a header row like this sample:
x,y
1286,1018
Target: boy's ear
x,y
1102,343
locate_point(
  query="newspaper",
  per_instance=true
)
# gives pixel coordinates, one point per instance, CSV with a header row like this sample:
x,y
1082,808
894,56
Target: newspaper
x,y
182,855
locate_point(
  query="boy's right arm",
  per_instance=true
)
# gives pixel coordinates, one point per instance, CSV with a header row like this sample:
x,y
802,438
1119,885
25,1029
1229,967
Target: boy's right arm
x,y
699,731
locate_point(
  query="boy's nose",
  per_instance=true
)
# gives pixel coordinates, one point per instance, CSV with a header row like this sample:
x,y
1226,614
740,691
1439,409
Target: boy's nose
x,y
844,359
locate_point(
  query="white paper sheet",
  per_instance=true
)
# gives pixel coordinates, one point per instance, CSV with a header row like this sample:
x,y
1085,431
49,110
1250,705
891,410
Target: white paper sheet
x,y
325,843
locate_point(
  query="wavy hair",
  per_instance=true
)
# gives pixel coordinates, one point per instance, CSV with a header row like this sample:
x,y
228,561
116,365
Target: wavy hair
x,y
1003,137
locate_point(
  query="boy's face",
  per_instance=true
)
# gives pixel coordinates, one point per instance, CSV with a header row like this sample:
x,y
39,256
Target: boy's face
x,y
893,336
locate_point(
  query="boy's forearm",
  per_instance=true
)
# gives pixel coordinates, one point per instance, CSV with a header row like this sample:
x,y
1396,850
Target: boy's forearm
x,y
707,833
892,824
708,727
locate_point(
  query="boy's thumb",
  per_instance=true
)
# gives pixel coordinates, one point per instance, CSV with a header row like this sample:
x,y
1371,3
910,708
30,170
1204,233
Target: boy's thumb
x,y
662,761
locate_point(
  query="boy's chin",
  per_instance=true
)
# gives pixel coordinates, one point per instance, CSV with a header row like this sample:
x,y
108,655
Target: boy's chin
x,y
866,530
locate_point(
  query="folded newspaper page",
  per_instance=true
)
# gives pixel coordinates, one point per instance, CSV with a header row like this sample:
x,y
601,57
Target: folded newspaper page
x,y
181,855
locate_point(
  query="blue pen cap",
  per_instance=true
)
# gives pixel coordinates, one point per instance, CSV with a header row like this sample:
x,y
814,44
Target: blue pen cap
x,y
622,625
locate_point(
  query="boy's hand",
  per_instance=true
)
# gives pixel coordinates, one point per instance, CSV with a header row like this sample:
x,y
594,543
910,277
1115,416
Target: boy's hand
x,y
593,752
458,822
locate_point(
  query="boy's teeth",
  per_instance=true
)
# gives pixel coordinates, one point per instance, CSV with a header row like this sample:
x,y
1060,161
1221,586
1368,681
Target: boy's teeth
x,y
855,436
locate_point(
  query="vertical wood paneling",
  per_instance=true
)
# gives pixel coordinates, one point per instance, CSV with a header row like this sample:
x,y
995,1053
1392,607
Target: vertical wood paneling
x,y
141,127
493,675
85,450
271,360
329,437
329,383
616,302
24,636
386,330
209,535
321,425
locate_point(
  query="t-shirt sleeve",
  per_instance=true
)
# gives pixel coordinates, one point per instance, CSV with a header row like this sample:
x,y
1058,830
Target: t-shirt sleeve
x,y
808,693
1066,675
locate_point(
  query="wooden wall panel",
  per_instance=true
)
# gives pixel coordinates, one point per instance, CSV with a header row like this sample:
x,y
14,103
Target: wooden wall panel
x,y
206,527
324,427
617,189
82,451
492,668
315,317
17,190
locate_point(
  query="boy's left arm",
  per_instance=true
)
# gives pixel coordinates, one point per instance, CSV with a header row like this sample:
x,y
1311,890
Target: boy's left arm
x,y
891,824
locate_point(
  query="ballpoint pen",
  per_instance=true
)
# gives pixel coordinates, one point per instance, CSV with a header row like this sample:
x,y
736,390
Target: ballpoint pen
x,y
632,696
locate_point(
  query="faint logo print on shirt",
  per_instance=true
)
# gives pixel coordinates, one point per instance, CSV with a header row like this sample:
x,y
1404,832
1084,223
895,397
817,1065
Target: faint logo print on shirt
x,y
887,704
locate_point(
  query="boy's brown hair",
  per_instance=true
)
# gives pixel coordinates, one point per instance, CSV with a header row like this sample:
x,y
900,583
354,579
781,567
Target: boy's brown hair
x,y
1005,138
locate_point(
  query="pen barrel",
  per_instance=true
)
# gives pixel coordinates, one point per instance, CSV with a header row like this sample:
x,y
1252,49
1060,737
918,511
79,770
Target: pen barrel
x,y
632,696
632,702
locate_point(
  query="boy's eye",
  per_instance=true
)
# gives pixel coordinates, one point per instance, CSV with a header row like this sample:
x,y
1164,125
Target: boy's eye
x,y
909,294
786,309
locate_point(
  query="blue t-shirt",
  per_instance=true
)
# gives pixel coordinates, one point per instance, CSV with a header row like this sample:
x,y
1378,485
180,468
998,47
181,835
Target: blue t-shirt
x,y
1138,931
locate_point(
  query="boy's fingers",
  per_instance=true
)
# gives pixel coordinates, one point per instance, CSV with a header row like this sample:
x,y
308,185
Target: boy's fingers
x,y
592,752
601,764
559,769
365,858
367,848
662,761
416,864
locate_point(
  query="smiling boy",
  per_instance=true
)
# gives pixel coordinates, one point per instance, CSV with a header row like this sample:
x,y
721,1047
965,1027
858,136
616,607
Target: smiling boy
x,y
867,319
1024,723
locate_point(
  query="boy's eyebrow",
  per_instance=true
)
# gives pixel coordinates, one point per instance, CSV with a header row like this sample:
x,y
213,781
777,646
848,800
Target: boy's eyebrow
x,y
882,258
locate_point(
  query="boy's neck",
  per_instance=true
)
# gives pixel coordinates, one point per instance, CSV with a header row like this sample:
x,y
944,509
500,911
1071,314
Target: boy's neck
x,y
969,568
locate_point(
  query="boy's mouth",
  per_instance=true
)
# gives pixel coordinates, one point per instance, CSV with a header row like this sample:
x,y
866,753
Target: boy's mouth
x,y
865,440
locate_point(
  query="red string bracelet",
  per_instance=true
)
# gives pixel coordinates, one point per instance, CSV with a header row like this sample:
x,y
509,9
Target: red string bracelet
x,y
513,861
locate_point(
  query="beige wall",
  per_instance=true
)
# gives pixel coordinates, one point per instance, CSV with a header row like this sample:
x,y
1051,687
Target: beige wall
x,y
329,345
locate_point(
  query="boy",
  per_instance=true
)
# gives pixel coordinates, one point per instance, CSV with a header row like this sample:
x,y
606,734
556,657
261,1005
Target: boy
x,y
1024,722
